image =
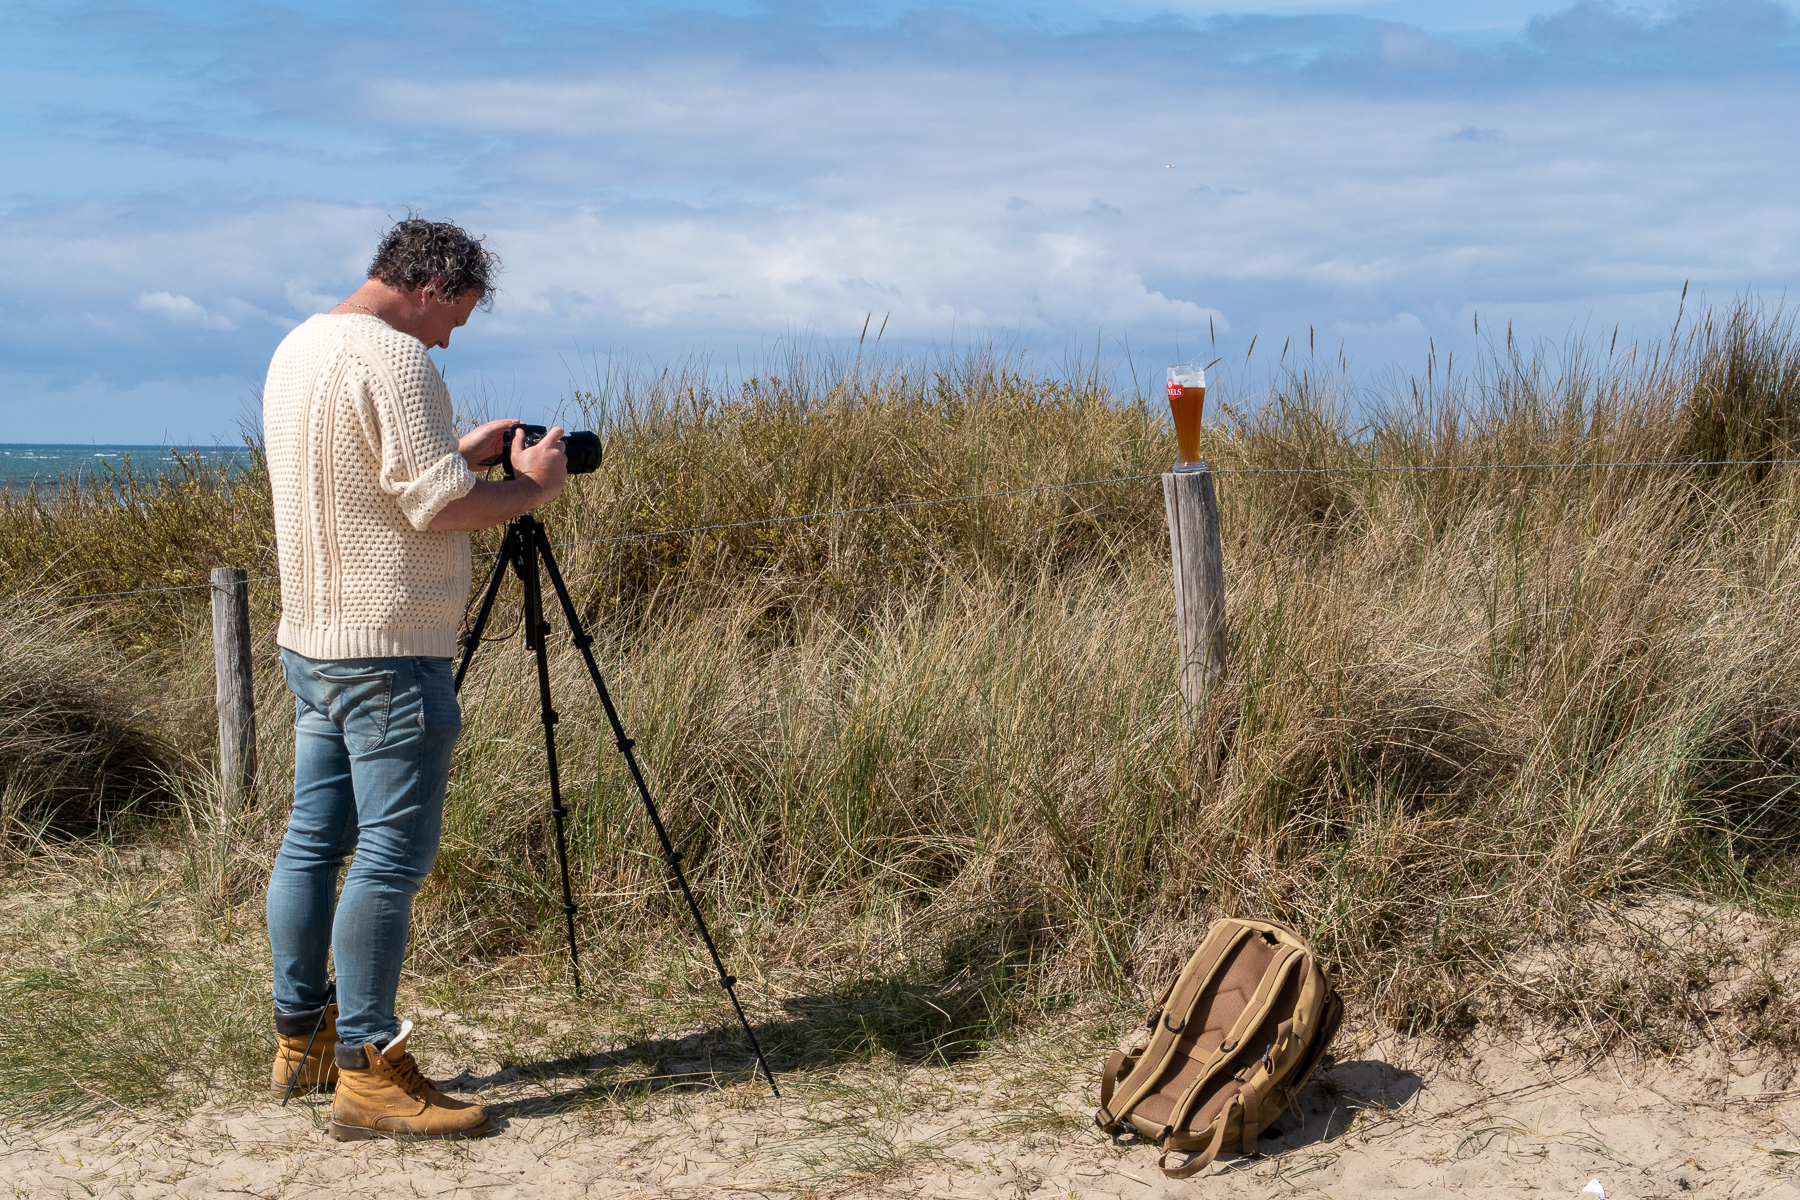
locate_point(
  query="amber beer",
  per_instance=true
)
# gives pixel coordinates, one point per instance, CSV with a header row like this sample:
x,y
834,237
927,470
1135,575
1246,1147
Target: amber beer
x,y
1187,395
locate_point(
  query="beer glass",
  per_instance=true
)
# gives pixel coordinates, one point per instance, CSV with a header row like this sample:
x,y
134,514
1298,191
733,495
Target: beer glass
x,y
1187,395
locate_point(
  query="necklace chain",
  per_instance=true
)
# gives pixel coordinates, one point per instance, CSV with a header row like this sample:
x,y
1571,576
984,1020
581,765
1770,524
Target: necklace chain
x,y
364,307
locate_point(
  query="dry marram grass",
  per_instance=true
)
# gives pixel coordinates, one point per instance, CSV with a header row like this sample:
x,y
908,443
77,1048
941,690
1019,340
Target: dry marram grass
x,y
930,765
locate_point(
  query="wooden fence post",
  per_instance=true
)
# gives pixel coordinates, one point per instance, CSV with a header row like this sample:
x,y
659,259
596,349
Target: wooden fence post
x,y
1198,559
236,698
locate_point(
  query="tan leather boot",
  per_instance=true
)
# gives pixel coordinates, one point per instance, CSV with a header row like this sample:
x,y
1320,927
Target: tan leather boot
x,y
305,1057
387,1097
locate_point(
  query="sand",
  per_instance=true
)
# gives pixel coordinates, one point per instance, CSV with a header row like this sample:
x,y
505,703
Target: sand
x,y
1510,1107
1486,1116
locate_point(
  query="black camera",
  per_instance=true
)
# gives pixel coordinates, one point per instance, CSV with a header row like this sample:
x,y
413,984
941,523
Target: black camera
x,y
582,448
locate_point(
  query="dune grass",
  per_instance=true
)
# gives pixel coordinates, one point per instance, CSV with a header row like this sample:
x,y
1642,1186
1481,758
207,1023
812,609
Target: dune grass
x,y
113,1004
81,745
933,759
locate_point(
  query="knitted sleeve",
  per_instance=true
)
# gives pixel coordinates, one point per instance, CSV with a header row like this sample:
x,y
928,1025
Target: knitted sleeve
x,y
407,415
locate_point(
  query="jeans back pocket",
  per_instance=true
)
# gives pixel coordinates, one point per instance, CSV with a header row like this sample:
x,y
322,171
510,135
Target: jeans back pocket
x,y
358,702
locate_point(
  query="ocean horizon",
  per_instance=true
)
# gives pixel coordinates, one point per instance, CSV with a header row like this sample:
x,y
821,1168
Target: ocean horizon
x,y
35,464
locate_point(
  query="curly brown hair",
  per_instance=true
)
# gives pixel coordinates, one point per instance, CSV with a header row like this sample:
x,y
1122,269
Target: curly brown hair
x,y
416,252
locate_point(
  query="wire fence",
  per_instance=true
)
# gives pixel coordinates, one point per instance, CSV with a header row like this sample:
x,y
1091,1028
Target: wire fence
x,y
1419,469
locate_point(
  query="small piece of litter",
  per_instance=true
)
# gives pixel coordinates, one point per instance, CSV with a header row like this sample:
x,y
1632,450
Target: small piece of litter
x,y
1594,1188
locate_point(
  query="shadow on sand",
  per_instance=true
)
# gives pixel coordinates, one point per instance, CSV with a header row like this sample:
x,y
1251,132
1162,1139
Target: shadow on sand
x,y
1328,1104
938,1016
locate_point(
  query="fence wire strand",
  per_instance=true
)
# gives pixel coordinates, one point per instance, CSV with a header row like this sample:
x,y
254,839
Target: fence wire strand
x,y
1024,491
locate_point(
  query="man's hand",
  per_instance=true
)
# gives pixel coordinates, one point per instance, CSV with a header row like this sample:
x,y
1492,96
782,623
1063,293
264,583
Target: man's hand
x,y
480,447
540,471
545,464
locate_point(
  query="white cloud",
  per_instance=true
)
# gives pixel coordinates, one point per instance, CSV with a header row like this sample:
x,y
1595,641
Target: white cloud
x,y
826,271
703,192
226,313
1343,195
181,310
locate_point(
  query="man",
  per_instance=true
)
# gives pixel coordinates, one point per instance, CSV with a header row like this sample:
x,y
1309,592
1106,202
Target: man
x,y
374,493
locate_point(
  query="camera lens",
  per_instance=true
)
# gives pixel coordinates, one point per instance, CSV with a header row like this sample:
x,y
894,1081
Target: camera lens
x,y
583,449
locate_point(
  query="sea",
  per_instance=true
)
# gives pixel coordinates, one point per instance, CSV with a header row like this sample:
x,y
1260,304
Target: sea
x,y
26,465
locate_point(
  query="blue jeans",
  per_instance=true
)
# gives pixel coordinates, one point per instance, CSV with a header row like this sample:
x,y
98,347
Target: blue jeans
x,y
372,740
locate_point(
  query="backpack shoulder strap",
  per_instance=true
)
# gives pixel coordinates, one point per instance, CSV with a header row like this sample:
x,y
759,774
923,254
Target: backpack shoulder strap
x,y
1109,1077
1261,1001
1206,963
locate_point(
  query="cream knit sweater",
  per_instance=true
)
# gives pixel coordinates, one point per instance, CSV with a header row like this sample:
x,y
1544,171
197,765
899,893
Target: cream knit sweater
x,y
362,455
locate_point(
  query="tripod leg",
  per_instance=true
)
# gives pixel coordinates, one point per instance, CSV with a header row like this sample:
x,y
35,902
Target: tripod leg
x,y
509,546
585,642
536,631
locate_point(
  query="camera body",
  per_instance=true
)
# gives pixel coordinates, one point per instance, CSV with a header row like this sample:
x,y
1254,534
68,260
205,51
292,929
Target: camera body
x,y
582,448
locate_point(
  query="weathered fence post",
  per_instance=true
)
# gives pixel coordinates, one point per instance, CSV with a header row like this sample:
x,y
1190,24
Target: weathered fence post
x,y
236,699
1198,559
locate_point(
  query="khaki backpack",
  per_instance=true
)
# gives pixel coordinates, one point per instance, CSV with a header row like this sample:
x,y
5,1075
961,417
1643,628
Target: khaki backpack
x,y
1232,1040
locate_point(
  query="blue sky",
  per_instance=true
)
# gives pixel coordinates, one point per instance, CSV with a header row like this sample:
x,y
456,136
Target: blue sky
x,y
184,182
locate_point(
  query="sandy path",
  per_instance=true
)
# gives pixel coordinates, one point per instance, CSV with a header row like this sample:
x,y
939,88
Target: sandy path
x,y
1487,1118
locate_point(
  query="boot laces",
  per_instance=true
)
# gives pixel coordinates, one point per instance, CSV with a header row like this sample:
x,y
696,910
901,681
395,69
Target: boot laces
x,y
408,1076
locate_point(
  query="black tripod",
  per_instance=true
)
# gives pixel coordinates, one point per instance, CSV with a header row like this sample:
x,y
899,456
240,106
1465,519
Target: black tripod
x,y
524,547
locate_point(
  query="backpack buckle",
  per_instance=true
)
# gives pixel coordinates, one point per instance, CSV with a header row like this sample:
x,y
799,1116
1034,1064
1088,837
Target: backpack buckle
x,y
1174,1028
1167,1132
1227,1047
